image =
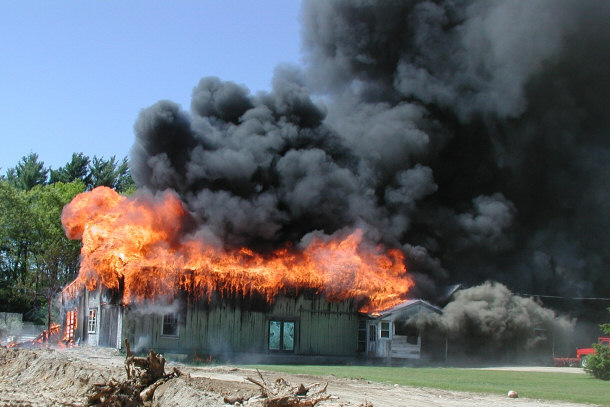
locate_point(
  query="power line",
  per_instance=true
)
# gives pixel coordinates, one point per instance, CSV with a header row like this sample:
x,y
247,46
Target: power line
x,y
567,298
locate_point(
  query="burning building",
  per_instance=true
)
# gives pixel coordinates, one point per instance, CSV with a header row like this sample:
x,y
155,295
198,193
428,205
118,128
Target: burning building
x,y
463,141
140,281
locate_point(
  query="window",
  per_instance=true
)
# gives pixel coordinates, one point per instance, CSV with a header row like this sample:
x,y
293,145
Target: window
x,y
372,333
361,336
385,330
170,325
92,322
405,329
70,325
281,336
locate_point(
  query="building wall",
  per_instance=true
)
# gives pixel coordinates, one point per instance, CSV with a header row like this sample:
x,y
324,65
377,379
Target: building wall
x,y
77,304
93,303
102,330
321,328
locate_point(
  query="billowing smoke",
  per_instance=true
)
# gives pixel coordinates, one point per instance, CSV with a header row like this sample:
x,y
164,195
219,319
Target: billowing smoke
x,y
490,321
255,171
472,134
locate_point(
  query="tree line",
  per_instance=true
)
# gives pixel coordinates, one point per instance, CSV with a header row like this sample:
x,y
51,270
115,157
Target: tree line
x,y
36,258
93,172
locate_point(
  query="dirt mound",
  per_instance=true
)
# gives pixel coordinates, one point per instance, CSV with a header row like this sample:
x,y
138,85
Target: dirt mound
x,y
48,377
45,377
181,392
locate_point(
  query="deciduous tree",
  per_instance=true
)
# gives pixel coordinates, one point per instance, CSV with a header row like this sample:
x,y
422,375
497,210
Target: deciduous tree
x,y
17,231
56,257
36,258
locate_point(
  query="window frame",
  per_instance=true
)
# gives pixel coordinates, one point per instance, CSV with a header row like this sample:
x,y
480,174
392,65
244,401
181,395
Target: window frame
x,y
169,320
385,333
92,322
71,324
362,335
283,323
373,333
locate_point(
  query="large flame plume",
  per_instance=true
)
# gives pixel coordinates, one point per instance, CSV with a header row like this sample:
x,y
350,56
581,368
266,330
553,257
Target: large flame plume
x,y
140,242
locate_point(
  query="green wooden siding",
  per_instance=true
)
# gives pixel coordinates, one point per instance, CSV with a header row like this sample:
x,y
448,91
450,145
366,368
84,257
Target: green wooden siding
x,y
322,328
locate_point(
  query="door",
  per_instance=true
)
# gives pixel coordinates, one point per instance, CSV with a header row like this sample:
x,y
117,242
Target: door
x,y
109,321
372,348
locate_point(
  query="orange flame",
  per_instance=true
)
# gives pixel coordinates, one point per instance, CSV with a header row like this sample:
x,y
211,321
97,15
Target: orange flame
x,y
45,338
139,240
46,334
70,327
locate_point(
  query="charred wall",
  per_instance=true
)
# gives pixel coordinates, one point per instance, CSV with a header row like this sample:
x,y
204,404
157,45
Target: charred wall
x,y
321,328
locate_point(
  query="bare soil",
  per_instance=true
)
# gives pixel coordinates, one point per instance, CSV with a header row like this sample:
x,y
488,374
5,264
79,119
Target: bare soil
x,y
46,377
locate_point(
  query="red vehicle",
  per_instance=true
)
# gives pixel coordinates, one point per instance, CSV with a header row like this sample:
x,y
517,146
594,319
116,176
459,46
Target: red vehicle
x,y
583,353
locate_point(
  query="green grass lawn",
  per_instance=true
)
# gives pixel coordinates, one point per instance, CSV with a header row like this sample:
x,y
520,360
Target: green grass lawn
x,y
548,386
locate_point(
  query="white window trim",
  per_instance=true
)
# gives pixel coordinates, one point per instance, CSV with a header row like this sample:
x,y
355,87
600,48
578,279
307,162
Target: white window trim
x,y
89,324
177,334
389,330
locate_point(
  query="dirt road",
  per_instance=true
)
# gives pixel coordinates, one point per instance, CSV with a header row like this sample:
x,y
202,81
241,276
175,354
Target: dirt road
x,y
43,377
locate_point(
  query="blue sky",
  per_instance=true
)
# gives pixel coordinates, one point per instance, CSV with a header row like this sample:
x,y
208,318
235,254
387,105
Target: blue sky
x,y
75,74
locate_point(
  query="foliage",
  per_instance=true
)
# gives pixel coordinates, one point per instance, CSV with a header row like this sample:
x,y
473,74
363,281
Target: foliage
x,y
547,386
598,364
36,259
17,231
56,260
77,168
110,173
28,173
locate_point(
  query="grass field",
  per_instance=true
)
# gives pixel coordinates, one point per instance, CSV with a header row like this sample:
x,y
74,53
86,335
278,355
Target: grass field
x,y
547,386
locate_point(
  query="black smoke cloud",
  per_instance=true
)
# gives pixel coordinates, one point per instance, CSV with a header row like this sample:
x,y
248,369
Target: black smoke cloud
x,y
490,321
472,134
255,170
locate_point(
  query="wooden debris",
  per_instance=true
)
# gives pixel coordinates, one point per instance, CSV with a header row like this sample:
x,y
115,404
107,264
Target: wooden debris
x,y
283,394
235,400
148,393
144,375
